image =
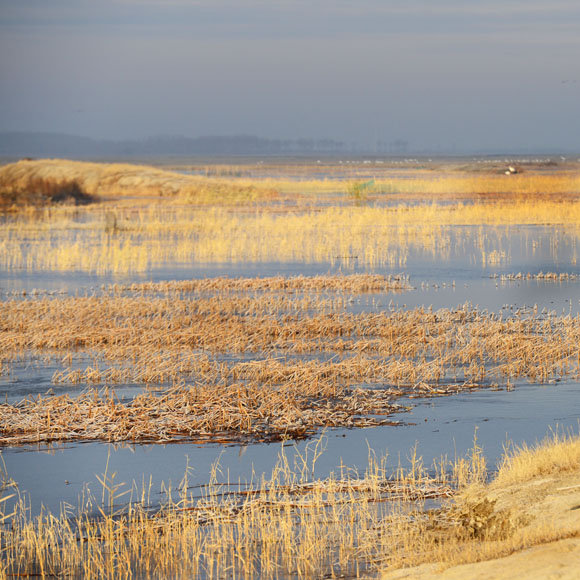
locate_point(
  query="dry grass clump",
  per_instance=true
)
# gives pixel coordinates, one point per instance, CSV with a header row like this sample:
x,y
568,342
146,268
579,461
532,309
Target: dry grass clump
x,y
556,454
271,358
98,179
38,192
531,501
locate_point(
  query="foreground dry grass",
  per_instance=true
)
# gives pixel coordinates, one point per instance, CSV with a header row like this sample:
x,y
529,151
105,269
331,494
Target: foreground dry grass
x,y
264,359
287,524
293,525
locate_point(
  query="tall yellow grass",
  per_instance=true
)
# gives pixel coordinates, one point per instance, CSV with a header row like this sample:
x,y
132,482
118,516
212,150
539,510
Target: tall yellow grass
x,y
136,240
289,523
555,454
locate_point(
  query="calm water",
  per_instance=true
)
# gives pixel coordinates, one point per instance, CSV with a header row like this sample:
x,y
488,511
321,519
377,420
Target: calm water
x,y
441,426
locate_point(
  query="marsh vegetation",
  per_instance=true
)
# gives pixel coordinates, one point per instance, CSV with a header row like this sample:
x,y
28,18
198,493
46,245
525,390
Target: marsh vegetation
x,y
264,359
156,351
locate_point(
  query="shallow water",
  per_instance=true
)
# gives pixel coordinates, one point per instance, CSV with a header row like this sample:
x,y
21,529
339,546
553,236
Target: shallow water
x,y
447,276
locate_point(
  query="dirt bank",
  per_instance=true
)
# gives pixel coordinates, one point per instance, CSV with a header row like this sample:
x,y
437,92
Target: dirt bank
x,y
545,542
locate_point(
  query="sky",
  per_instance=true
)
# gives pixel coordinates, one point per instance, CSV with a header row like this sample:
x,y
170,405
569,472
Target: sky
x,y
445,75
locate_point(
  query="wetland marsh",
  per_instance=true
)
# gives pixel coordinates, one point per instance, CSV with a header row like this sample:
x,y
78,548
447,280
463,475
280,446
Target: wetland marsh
x,y
230,328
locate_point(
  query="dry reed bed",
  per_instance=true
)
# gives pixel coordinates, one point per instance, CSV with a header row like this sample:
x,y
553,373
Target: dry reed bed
x,y
291,524
268,364
199,414
353,283
141,239
286,524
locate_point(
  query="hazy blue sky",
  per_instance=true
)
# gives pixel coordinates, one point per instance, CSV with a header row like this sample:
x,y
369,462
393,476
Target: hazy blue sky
x,y
469,74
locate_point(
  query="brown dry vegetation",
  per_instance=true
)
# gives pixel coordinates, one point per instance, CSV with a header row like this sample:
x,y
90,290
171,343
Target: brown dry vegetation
x,y
38,192
353,284
270,359
314,363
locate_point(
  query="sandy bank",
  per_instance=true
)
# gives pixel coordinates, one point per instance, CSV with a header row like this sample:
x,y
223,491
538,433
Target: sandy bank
x,y
545,545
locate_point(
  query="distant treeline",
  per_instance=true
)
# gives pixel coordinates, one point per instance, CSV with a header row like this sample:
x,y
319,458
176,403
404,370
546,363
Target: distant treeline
x,y
70,146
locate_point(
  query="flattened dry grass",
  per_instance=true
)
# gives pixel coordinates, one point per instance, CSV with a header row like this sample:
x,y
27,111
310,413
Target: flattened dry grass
x,y
261,359
352,283
199,414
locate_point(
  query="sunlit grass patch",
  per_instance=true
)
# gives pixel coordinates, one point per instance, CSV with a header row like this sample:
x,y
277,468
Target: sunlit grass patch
x,y
556,454
102,181
147,238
